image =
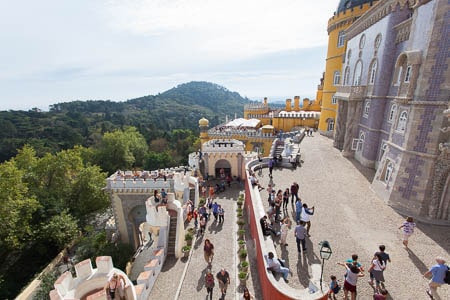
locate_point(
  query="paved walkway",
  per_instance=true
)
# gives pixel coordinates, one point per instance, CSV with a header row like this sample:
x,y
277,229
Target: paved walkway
x,y
348,214
184,278
354,220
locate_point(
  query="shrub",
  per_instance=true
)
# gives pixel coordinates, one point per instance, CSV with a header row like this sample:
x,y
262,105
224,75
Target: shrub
x,y
243,275
186,248
244,264
243,254
188,236
240,222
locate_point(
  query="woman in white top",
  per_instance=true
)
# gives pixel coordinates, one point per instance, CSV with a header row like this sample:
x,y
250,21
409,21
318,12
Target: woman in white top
x,y
306,216
376,269
285,225
351,279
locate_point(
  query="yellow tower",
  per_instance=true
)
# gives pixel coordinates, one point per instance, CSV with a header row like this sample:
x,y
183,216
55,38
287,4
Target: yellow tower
x,y
347,12
203,124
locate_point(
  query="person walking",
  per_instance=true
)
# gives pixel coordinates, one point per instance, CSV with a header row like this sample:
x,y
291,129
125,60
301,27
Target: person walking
x,y
286,195
294,191
298,210
278,203
215,211
306,217
376,270
408,229
271,163
437,273
334,288
208,252
285,225
209,283
246,295
224,280
221,213
351,279
300,236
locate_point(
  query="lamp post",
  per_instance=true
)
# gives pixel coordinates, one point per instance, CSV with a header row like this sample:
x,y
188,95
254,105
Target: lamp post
x,y
325,254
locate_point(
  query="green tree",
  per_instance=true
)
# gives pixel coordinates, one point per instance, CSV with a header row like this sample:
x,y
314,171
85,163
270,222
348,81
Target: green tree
x,y
155,160
87,196
60,229
121,150
16,208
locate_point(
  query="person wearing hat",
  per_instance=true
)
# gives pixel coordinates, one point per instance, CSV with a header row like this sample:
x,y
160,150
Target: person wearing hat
x,y
437,273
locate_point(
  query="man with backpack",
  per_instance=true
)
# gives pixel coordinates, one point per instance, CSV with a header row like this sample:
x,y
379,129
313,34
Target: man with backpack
x,y
438,275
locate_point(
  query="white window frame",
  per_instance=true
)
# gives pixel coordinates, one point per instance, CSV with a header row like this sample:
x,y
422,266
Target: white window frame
x,y
336,77
392,113
334,99
402,121
357,76
399,76
341,39
330,125
362,138
366,108
383,149
346,75
388,171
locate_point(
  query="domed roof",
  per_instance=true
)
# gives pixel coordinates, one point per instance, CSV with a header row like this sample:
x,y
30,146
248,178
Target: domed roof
x,y
346,4
203,122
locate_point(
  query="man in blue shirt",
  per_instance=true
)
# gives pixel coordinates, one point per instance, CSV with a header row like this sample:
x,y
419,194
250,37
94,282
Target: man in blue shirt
x,y
298,209
437,273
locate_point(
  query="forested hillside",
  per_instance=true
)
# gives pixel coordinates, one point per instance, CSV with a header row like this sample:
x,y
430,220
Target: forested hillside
x,y
54,164
84,122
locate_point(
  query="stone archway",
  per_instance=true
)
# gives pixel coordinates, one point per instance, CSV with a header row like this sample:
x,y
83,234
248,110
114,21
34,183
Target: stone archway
x,y
136,217
222,164
444,204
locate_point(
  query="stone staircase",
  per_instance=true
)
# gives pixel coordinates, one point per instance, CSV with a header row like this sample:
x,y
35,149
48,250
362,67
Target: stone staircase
x,y
172,236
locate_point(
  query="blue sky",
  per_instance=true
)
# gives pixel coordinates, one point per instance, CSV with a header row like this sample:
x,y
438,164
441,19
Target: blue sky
x,y
58,51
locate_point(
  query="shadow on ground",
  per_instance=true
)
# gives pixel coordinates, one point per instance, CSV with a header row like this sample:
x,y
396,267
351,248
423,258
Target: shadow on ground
x,y
368,173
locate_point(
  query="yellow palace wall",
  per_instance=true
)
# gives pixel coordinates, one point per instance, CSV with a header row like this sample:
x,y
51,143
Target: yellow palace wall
x,y
334,60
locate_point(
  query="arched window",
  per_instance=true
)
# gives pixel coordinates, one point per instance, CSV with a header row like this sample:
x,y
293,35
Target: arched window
x,y
383,150
341,39
336,77
373,72
399,75
408,74
402,120
357,74
389,170
366,108
392,112
330,126
347,76
362,137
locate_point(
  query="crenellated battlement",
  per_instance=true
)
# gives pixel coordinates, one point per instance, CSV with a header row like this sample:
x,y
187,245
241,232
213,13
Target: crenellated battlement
x,y
89,283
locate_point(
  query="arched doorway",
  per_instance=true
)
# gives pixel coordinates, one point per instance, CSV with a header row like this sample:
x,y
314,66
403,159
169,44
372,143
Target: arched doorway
x,y
444,204
136,217
222,166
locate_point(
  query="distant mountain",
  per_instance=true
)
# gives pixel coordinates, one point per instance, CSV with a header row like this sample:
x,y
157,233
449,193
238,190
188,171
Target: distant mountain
x,y
81,122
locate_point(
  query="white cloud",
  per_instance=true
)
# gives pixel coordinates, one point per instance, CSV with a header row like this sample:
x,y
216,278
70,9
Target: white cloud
x,y
228,28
